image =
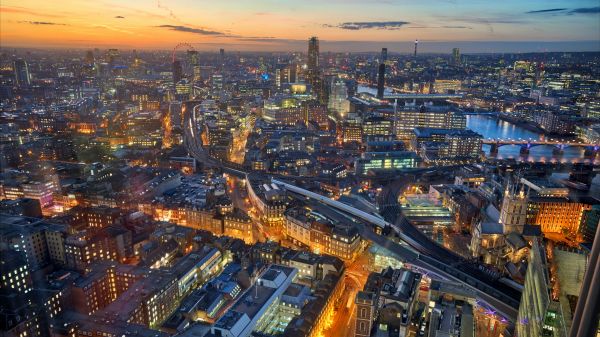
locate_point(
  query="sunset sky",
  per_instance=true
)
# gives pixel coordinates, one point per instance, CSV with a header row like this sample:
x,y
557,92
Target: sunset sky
x,y
353,25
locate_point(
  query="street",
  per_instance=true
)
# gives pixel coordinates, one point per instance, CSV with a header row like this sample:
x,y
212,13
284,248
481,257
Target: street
x,y
355,278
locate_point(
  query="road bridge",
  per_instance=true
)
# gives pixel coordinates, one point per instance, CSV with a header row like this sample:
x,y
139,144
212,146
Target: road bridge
x,y
411,96
526,144
502,142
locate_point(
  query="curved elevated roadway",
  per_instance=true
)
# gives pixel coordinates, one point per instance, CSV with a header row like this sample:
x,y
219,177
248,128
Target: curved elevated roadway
x,y
428,255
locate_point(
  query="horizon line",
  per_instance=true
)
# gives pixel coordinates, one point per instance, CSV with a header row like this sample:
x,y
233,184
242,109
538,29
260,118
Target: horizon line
x,y
293,47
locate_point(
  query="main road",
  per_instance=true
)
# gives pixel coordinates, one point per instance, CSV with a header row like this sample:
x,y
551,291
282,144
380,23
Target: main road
x,y
192,139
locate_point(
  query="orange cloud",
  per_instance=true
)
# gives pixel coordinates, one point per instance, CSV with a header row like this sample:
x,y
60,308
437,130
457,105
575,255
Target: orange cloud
x,y
23,10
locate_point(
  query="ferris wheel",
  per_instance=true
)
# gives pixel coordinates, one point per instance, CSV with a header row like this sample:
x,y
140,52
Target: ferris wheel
x,y
181,45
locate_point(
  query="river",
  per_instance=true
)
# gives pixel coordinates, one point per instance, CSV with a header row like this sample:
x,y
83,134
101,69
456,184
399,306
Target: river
x,y
491,128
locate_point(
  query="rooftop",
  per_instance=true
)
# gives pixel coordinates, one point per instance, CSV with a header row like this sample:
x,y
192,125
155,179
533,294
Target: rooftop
x,y
429,132
256,297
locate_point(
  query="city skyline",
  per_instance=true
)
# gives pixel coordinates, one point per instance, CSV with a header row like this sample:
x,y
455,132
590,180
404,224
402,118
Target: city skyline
x,y
352,168
355,26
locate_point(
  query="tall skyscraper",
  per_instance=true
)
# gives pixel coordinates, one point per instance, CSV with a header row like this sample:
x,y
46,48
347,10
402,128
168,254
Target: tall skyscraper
x,y
177,72
383,55
312,75
22,76
221,58
455,56
313,56
338,102
381,80
416,44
